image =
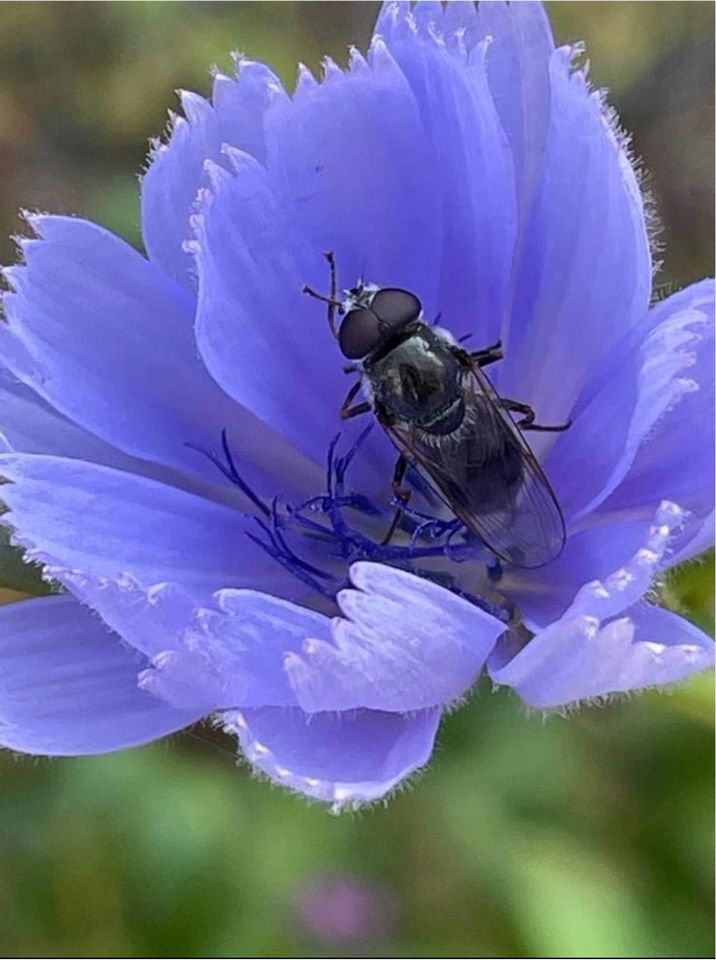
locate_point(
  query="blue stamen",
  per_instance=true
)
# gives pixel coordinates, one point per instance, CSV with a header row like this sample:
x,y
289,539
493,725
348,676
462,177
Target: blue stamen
x,y
230,471
430,537
354,545
295,570
281,548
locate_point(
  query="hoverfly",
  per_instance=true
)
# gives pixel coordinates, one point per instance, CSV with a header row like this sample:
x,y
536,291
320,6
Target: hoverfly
x,y
446,419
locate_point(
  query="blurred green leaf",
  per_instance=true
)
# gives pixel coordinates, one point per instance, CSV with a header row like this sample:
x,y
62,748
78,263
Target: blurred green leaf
x,y
16,573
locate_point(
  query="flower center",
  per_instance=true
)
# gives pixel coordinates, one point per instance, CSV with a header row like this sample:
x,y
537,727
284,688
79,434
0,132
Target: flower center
x,y
317,540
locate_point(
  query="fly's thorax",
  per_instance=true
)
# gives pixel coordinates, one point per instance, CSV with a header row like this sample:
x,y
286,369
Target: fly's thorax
x,y
417,379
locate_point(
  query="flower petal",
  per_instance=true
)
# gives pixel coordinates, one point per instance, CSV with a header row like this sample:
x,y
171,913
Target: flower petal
x,y
345,759
404,644
602,570
579,658
232,654
635,440
697,539
106,338
263,340
176,170
584,268
29,425
675,455
470,153
351,160
69,687
519,49
104,523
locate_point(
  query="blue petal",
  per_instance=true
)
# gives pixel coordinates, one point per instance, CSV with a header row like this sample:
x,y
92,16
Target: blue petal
x,y
479,222
583,269
643,429
344,759
232,654
669,452
405,644
697,539
176,170
519,49
105,338
150,619
29,425
104,523
581,657
351,162
607,567
460,21
264,341
69,687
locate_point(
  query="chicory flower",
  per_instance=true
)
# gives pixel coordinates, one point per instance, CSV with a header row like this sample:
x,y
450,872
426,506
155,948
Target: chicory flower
x,y
171,435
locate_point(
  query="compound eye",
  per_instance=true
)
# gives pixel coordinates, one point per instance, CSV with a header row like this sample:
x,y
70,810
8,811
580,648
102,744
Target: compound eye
x,y
359,334
395,308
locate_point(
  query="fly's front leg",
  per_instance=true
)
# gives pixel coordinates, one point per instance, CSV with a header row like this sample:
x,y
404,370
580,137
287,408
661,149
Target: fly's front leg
x,y
332,300
528,417
489,355
400,493
334,292
347,411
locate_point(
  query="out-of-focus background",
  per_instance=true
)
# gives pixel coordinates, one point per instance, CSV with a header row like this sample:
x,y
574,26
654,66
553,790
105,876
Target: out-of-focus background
x,y
585,837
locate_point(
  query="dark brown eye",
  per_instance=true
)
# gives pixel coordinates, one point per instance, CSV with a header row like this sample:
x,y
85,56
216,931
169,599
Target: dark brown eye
x,y
395,308
361,332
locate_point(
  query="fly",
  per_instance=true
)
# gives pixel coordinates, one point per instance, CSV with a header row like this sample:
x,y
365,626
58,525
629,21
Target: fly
x,y
438,407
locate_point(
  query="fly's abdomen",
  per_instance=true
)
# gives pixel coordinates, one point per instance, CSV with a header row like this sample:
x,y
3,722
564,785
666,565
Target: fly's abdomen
x,y
493,484
488,472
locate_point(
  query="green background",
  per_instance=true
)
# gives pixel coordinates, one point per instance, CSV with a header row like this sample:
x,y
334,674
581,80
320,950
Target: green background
x,y
583,837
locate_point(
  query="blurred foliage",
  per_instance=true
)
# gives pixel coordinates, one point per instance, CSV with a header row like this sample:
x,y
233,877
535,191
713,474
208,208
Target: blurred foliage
x,y
16,574
584,837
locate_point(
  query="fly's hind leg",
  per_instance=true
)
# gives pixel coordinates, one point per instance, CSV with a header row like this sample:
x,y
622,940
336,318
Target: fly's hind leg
x,y
401,494
482,358
528,418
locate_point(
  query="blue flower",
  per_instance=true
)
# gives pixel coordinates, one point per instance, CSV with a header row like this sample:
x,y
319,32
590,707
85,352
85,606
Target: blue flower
x,y
171,436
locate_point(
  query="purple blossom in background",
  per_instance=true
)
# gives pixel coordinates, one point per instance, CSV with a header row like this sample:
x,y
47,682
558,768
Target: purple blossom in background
x,y
168,424
341,908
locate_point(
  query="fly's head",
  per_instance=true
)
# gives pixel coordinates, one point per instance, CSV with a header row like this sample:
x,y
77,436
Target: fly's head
x,y
373,317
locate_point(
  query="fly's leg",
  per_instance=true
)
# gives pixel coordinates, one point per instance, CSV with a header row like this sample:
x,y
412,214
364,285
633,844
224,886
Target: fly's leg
x,y
347,411
489,355
528,417
330,257
332,301
401,494
478,358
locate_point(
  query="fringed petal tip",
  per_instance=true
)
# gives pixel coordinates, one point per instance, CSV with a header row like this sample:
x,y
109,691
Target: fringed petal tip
x,y
610,640
403,644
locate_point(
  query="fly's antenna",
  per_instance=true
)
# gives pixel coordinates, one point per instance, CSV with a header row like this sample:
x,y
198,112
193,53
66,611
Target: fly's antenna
x,y
332,299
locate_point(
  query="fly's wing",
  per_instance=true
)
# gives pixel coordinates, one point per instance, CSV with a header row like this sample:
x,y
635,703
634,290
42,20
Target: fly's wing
x,y
490,479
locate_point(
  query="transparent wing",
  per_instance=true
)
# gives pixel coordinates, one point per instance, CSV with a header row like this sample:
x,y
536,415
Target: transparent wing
x,y
490,479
